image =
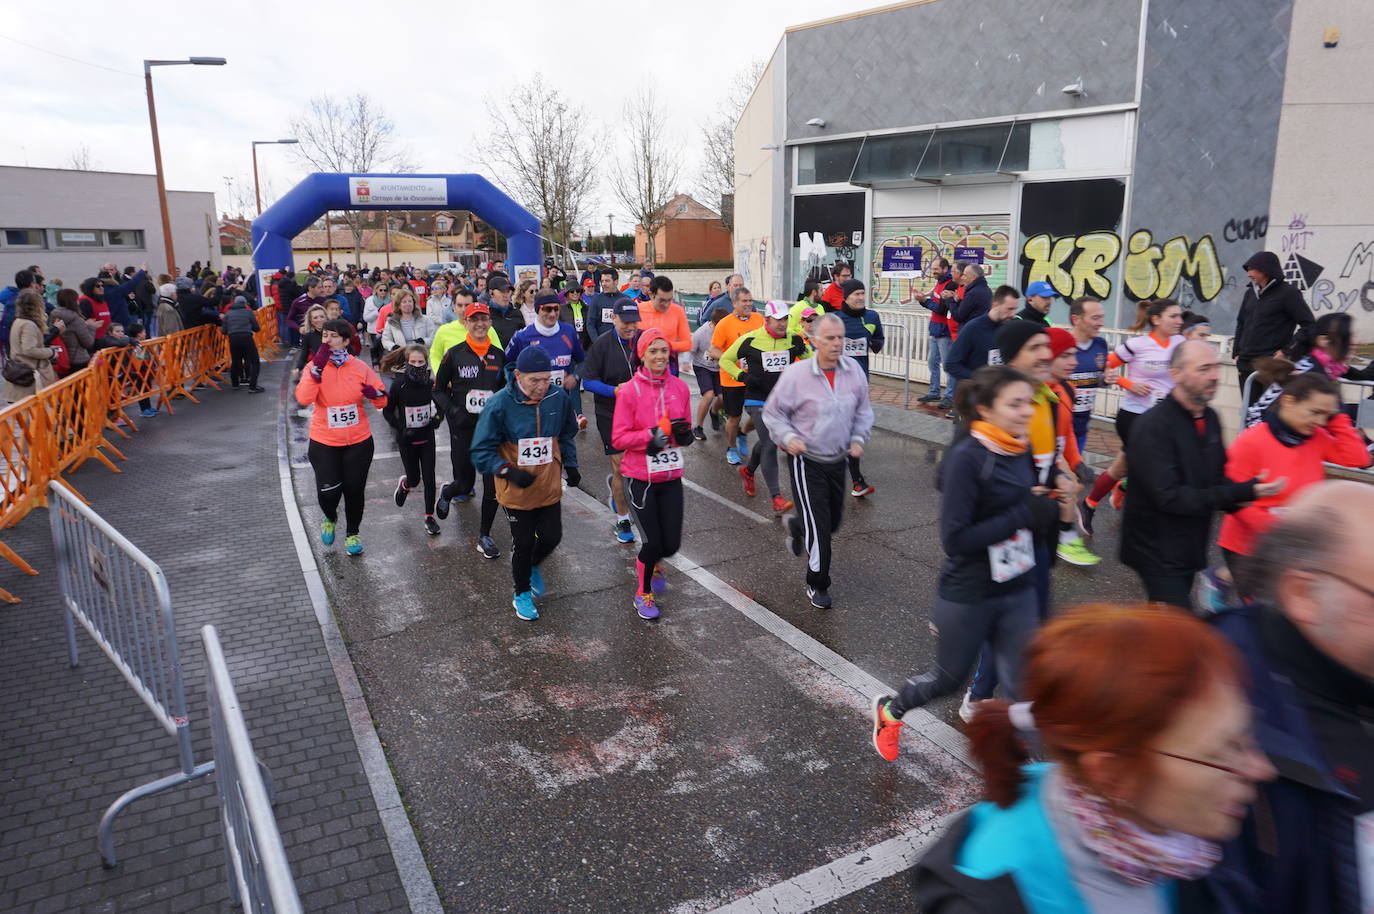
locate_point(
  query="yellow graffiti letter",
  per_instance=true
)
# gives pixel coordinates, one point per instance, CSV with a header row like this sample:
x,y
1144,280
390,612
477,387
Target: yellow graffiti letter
x,y
1044,259
1140,276
1200,264
1098,251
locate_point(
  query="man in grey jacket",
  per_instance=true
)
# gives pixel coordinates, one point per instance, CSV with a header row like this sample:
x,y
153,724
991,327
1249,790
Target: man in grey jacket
x,y
819,414
239,324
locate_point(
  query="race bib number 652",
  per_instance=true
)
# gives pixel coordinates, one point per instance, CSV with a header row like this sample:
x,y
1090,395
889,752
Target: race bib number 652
x,y
856,347
1013,557
534,452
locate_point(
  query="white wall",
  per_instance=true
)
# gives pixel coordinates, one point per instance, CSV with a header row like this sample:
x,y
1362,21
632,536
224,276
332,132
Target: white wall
x,y
55,198
1319,207
757,251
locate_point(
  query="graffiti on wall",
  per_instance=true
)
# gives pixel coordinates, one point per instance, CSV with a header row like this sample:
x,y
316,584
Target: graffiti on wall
x,y
1078,265
1245,229
1358,273
936,239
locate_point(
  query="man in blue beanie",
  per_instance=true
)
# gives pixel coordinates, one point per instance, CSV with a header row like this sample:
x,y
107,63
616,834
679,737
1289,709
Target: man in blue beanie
x,y
525,438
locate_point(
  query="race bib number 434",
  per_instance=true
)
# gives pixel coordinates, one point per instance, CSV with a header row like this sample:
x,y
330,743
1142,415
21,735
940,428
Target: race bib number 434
x,y
534,452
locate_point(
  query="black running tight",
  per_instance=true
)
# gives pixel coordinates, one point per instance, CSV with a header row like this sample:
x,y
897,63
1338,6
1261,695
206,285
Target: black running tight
x,y
656,509
418,459
341,474
465,476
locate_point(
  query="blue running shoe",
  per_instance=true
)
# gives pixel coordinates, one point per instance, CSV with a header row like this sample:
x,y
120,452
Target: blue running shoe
x,y
645,606
732,457
742,447
624,532
327,532
353,545
524,606
536,582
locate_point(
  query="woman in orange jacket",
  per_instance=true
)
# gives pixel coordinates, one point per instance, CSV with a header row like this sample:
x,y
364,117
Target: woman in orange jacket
x,y
337,385
1303,429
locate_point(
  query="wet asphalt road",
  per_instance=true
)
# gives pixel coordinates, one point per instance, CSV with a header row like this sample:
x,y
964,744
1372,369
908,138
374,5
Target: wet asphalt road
x,y
592,761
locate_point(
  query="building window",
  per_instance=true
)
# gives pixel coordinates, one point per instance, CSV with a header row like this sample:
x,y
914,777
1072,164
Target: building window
x,y
124,238
681,209
443,224
26,238
827,163
78,238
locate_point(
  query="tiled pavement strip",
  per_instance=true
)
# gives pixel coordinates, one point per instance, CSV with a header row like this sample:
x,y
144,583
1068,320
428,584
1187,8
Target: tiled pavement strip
x,y
73,739
200,494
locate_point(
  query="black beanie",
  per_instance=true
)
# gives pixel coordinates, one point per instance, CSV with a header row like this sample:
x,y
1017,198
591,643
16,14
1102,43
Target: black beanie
x,y
547,297
1267,262
850,286
1014,334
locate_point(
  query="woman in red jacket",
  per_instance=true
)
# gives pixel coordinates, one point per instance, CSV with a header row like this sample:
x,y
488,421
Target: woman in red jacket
x,y
338,385
1302,429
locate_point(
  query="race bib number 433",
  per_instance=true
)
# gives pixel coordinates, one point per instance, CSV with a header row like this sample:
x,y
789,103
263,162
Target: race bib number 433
x,y
343,416
534,452
666,460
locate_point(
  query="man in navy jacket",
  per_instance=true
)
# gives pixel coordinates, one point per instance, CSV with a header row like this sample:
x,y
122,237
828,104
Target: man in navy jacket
x,y
977,296
977,342
1308,641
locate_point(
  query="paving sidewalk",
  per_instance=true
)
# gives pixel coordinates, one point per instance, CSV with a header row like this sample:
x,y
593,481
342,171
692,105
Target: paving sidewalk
x,y
200,494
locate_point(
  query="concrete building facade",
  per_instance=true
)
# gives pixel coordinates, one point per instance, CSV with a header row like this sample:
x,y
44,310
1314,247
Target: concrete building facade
x,y
70,222
1127,150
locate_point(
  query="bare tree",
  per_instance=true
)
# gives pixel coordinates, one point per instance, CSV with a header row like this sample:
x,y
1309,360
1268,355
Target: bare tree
x,y
646,178
351,136
81,158
536,146
717,179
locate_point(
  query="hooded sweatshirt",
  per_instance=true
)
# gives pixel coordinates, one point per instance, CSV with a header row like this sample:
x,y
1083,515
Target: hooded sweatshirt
x,y
644,404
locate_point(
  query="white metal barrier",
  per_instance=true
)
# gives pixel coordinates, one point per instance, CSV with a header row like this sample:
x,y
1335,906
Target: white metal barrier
x,y
120,596
259,875
907,354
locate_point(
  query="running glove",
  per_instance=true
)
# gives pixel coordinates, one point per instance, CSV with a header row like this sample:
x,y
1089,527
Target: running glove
x,y
574,476
682,432
371,392
320,358
657,443
515,476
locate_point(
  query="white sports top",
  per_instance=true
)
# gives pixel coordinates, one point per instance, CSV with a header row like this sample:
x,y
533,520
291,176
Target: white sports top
x,y
1149,361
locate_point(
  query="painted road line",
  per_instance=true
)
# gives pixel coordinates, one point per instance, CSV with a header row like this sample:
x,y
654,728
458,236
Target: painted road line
x,y
400,834
824,884
816,888
385,455
721,499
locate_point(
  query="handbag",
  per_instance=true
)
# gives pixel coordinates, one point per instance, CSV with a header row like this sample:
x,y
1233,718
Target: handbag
x,y
18,374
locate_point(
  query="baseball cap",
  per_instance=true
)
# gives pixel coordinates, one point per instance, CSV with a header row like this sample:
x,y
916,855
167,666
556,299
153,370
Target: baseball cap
x,y
476,308
776,309
808,312
498,284
1041,288
625,309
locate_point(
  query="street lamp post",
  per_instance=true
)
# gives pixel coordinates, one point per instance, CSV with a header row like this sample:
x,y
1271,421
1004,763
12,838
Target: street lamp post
x,y
157,146
610,236
257,194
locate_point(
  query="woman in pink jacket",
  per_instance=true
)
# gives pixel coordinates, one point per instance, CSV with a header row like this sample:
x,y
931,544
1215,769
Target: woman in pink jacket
x,y
652,428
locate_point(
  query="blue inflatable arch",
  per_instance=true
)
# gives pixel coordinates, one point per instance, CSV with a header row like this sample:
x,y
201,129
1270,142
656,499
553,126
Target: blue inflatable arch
x,y
320,193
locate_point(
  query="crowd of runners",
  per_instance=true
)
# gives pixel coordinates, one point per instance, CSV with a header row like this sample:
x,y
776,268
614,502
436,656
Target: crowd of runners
x,y
1144,712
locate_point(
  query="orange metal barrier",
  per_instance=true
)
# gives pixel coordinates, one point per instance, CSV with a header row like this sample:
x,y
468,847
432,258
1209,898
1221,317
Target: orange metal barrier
x,y
55,431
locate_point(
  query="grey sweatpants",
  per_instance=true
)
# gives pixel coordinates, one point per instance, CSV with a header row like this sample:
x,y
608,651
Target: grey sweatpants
x,y
1006,623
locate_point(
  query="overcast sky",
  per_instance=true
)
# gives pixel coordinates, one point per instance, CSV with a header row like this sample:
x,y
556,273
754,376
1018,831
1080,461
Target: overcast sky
x,y
429,64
